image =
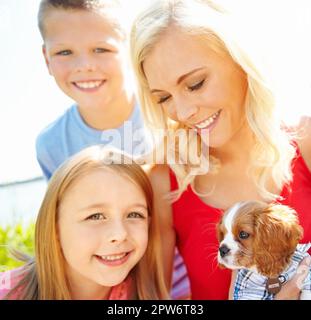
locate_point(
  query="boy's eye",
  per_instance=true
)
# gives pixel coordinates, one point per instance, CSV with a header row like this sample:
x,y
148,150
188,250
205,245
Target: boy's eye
x,y
136,215
101,50
64,53
96,216
196,86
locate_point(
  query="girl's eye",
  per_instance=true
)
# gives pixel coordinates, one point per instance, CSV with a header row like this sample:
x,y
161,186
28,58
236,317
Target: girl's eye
x,y
100,50
196,86
163,99
243,235
64,53
96,216
136,215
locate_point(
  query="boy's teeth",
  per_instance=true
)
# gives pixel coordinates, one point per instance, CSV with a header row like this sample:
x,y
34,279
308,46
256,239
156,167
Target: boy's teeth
x,y
114,257
208,121
89,84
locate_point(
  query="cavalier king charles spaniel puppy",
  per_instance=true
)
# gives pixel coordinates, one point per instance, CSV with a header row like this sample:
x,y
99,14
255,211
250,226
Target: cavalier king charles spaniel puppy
x,y
261,240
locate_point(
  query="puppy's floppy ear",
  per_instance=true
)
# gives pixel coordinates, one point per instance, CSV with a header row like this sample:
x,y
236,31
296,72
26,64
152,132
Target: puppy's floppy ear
x,y
219,230
220,236
277,233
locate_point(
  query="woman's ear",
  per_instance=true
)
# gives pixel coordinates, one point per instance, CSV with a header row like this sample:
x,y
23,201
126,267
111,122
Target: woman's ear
x,y
277,233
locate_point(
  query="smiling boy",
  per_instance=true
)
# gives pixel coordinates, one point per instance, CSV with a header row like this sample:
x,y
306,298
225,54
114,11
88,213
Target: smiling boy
x,y
85,49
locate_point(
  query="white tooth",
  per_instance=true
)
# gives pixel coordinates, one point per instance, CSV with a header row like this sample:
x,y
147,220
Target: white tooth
x,y
112,258
208,121
205,123
88,85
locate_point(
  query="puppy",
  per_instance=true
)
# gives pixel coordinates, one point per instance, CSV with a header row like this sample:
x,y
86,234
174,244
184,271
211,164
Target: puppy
x,y
262,241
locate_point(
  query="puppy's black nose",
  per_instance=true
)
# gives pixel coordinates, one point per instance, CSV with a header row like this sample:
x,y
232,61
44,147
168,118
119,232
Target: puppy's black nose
x,y
223,250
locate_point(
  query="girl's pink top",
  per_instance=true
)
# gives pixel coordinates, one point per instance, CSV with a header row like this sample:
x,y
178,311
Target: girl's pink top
x,y
9,279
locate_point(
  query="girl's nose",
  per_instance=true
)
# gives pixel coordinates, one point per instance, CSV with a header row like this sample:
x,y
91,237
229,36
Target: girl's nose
x,y
118,232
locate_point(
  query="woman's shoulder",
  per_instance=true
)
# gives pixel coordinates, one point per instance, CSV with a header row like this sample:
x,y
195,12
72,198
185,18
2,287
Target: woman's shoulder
x,y
159,177
304,139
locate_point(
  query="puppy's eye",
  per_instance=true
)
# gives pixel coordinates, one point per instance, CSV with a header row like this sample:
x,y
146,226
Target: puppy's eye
x,y
243,235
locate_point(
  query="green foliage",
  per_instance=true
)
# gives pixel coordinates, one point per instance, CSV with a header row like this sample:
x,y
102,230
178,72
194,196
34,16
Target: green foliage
x,y
18,237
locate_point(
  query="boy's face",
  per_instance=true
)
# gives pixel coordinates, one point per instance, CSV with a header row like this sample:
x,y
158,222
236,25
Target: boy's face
x,y
86,56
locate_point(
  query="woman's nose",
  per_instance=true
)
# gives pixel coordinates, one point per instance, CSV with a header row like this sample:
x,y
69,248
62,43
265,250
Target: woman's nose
x,y
184,111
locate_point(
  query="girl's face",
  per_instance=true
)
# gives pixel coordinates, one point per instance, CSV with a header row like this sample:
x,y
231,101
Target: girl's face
x,y
103,228
197,86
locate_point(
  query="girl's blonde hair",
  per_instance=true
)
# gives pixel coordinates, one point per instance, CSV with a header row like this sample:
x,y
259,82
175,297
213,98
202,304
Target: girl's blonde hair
x,y
210,23
44,277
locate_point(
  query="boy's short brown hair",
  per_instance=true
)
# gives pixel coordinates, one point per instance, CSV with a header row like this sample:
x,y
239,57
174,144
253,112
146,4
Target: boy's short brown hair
x,y
111,9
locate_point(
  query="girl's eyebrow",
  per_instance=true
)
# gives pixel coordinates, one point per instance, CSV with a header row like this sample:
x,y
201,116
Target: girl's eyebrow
x,y
95,206
105,205
139,205
181,78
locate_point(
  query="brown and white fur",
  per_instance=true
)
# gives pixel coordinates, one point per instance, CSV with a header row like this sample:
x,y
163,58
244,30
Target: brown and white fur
x,y
258,236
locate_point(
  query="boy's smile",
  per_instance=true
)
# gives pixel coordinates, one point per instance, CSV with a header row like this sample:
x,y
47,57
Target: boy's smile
x,y
89,86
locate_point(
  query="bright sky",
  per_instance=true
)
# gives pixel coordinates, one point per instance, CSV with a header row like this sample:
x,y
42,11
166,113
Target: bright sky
x,y
31,100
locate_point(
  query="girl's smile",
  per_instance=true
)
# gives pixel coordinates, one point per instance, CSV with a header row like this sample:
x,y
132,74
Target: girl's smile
x,y
115,259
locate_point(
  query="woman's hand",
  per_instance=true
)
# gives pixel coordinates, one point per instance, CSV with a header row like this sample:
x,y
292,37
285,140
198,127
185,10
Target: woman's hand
x,y
291,290
233,276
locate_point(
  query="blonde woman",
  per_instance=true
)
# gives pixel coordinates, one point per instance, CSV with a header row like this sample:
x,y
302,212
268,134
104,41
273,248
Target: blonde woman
x,y
194,74
96,236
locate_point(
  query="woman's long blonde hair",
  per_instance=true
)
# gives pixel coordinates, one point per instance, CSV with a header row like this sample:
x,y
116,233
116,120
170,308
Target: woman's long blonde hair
x,y
44,277
203,19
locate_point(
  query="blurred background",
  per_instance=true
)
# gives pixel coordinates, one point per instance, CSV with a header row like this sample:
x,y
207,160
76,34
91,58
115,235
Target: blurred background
x,y
30,99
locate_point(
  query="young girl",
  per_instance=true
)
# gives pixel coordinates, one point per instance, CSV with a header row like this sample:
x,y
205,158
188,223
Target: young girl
x,y
195,74
96,235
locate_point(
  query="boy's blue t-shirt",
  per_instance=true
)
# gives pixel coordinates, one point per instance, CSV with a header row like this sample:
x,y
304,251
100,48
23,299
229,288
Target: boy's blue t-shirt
x,y
69,134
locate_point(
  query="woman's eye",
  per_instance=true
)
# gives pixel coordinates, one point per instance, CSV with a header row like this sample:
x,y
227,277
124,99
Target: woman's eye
x,y
136,215
163,99
64,53
196,86
243,235
100,50
96,216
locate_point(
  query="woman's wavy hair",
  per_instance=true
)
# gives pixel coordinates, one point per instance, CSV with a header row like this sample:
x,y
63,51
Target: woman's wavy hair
x,y
208,22
44,277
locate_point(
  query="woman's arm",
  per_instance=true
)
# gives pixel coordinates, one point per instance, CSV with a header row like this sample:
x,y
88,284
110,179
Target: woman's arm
x,y
304,141
159,177
291,290
231,290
